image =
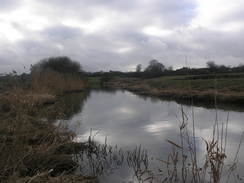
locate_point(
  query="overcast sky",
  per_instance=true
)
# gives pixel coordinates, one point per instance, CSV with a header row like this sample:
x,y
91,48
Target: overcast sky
x,y
120,34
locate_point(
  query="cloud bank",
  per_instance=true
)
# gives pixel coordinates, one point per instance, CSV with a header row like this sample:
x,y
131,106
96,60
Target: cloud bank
x,y
119,34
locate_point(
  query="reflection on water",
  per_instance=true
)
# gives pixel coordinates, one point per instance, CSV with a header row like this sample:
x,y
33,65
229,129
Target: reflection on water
x,y
66,106
99,159
128,121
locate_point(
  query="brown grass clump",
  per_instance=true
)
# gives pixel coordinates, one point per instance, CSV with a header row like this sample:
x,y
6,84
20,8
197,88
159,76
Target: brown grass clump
x,y
50,81
32,149
39,99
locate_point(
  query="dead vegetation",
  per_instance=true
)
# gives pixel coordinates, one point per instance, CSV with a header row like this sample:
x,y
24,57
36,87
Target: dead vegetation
x,y
33,149
56,83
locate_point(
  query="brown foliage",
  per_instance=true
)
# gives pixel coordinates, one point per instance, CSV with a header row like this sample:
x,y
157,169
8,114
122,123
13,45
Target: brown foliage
x,y
30,146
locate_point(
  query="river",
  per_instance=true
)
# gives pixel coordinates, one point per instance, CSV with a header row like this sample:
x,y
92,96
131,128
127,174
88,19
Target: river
x,y
127,121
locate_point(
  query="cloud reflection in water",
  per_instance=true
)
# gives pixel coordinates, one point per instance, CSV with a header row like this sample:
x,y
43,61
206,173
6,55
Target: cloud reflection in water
x,y
128,120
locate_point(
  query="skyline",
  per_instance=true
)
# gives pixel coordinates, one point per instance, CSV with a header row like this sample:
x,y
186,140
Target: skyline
x,y
120,34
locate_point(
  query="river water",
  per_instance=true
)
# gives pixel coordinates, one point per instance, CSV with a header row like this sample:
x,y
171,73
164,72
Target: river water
x,y
128,121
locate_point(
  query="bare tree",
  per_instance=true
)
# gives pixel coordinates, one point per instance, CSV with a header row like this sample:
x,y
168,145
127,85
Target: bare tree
x,y
212,66
139,68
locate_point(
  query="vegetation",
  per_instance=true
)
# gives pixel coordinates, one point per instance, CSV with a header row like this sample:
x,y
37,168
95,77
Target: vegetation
x,y
32,147
58,64
57,75
230,89
156,69
56,83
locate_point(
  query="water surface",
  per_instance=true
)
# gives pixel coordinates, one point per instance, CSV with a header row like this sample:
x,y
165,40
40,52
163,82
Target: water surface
x,y
128,120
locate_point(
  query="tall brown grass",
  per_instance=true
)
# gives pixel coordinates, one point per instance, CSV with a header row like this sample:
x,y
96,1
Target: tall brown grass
x,y
50,81
33,149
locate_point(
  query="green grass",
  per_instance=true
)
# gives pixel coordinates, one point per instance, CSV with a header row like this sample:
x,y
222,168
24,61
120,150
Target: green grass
x,y
231,84
226,88
94,79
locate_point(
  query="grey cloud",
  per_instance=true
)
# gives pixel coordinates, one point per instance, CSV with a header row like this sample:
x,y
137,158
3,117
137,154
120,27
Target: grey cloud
x,y
6,5
63,32
84,5
233,16
174,13
216,44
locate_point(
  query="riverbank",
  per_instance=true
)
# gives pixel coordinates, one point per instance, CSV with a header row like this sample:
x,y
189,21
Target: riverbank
x,y
35,149
225,90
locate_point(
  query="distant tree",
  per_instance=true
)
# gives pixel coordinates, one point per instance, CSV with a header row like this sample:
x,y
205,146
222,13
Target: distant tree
x,y
223,68
139,68
240,68
154,69
212,66
61,64
170,68
182,71
155,66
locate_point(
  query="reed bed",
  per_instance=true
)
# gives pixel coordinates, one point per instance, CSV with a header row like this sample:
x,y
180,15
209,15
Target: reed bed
x,y
33,148
50,81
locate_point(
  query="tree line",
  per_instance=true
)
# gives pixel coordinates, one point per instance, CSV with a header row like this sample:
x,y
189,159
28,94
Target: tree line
x,y
157,69
64,65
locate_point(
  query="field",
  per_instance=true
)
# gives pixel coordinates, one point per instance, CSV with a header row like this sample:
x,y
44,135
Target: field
x,y
224,88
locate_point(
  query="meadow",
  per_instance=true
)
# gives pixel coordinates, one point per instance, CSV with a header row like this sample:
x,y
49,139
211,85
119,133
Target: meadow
x,y
225,88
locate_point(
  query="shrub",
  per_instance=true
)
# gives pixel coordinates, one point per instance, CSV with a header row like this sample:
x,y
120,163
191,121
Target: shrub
x,y
59,64
57,75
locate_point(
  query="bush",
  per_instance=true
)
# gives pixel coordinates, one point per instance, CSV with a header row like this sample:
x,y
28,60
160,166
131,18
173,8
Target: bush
x,y
57,75
61,64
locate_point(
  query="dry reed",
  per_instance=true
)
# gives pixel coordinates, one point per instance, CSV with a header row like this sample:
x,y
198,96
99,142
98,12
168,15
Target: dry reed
x,y
33,149
57,83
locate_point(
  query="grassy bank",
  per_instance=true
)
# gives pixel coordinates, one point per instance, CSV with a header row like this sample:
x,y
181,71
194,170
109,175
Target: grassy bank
x,y
184,88
32,148
95,81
